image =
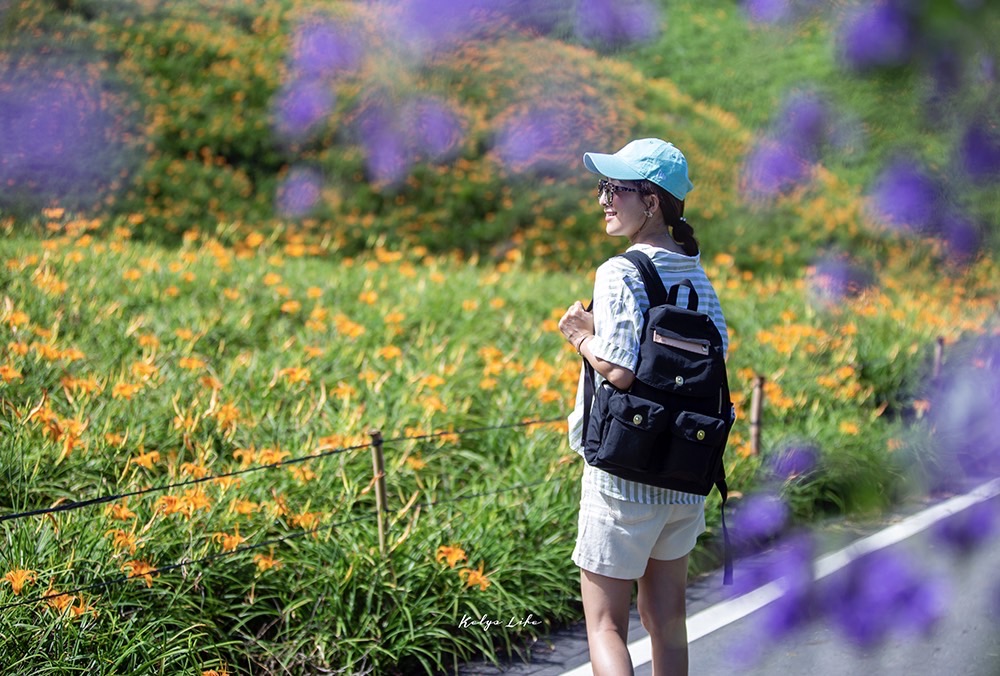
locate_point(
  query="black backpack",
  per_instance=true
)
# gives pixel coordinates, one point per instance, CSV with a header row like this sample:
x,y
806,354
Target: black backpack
x,y
671,427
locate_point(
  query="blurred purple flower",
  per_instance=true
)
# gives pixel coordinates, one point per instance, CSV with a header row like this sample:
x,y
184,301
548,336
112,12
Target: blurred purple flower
x,y
323,47
299,192
793,461
880,34
961,236
614,23
906,197
966,531
430,25
836,278
530,140
301,106
773,168
988,69
541,17
979,151
768,11
759,518
803,123
61,137
435,127
880,595
963,411
388,157
790,567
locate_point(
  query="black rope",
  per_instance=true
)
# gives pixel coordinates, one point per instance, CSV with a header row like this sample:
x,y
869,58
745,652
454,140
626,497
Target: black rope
x,y
70,506
80,504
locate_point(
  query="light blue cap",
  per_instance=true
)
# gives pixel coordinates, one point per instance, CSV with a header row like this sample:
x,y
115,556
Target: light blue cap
x,y
647,158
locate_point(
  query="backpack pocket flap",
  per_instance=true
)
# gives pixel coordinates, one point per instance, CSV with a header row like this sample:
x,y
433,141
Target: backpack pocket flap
x,y
637,412
699,429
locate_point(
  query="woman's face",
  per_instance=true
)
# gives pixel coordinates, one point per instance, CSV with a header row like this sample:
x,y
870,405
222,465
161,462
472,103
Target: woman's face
x,y
624,210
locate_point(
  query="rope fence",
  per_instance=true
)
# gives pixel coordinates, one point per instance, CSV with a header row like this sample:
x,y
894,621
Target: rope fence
x,y
380,515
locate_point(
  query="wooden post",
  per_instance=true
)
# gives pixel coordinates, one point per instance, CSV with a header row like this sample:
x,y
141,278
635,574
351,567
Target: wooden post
x,y
938,356
756,411
381,503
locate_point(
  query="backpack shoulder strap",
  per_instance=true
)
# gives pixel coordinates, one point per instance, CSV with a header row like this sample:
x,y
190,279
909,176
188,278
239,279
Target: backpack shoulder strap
x,y
655,290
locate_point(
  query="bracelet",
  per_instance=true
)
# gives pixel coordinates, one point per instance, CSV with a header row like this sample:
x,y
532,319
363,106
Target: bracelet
x,y
579,343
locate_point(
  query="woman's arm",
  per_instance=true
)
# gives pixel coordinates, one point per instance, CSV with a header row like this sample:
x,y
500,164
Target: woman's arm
x,y
577,326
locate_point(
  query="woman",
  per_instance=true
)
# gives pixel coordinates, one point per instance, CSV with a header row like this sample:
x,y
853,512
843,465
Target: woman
x,y
630,531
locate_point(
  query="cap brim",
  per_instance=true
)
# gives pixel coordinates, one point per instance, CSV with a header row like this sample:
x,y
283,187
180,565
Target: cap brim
x,y
610,166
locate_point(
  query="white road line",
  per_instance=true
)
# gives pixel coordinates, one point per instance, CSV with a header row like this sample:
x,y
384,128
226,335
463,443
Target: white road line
x,y
725,613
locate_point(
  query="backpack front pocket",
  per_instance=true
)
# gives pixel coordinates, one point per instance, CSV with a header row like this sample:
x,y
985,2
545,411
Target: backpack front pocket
x,y
633,432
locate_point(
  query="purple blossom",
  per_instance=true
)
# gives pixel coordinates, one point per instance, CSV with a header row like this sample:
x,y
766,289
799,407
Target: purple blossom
x,y
979,151
323,47
878,35
790,567
793,461
612,23
531,140
435,128
987,69
905,197
835,278
60,141
301,107
429,25
880,595
768,11
961,236
774,168
299,192
388,156
969,529
963,410
803,123
760,517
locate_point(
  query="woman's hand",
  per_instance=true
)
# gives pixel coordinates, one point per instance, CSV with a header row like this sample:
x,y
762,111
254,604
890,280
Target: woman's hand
x,y
576,324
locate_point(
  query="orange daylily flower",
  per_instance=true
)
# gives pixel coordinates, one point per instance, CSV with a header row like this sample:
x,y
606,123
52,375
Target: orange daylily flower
x,y
57,599
120,511
453,555
18,578
140,569
146,460
230,542
475,577
121,540
267,562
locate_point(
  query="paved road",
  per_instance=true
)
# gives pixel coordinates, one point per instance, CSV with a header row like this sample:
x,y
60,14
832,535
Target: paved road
x,y
966,641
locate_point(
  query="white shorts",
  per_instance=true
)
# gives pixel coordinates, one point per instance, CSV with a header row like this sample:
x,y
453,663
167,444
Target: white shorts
x,y
616,538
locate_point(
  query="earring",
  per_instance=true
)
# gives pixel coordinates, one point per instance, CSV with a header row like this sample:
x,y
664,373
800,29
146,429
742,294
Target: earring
x,y
648,213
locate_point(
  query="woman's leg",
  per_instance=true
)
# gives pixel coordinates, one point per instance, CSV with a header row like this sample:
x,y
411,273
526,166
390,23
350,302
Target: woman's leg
x,y
663,609
606,603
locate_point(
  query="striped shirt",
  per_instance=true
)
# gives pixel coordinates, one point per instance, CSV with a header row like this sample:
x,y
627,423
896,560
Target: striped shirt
x,y
620,301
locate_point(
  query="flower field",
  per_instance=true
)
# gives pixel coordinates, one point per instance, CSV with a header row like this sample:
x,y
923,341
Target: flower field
x,y
195,374
170,376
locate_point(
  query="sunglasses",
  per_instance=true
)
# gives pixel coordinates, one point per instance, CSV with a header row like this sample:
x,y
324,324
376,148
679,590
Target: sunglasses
x,y
606,187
